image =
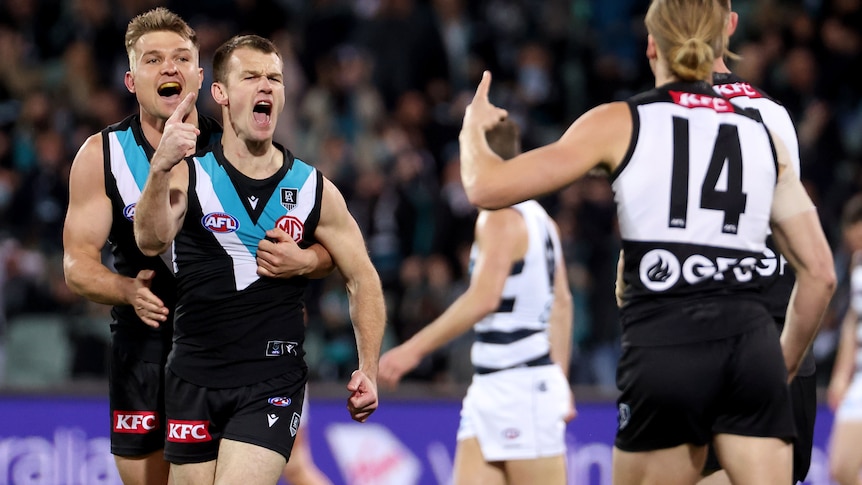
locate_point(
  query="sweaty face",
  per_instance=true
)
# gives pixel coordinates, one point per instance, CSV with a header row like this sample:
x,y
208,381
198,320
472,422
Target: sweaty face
x,y
164,70
255,92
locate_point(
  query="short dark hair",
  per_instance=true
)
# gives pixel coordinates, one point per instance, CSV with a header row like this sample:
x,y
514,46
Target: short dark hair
x,y
505,139
223,53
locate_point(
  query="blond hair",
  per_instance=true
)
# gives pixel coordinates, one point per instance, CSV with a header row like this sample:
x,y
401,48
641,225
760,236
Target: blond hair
x,y
158,19
689,33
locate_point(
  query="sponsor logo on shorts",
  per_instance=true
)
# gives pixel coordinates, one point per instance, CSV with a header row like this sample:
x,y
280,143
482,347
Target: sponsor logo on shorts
x,y
294,424
271,418
220,222
278,348
281,402
135,422
624,415
129,212
511,433
542,387
182,431
292,226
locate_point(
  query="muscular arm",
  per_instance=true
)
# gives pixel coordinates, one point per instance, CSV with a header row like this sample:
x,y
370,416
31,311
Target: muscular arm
x,y
164,200
799,236
340,236
85,231
501,237
602,135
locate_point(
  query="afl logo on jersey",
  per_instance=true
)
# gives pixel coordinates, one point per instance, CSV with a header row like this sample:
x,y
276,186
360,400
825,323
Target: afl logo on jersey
x,y
129,212
659,270
292,226
220,222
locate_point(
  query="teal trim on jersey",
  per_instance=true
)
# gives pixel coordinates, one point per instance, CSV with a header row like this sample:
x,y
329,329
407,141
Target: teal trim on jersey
x,y
249,233
136,157
295,178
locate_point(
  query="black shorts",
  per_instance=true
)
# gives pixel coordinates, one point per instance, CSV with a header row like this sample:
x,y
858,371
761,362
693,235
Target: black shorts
x,y
677,394
137,402
265,414
803,400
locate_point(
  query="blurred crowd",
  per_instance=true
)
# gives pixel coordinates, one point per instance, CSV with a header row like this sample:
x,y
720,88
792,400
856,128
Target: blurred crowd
x,y
376,91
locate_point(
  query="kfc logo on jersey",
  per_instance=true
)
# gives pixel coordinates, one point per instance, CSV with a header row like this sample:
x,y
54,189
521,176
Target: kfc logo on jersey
x,y
135,422
737,89
220,222
660,269
182,431
288,198
129,212
693,100
292,226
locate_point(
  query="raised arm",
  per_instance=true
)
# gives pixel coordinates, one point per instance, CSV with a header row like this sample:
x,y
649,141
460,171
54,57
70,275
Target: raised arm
x,y
600,136
339,233
502,239
799,236
164,200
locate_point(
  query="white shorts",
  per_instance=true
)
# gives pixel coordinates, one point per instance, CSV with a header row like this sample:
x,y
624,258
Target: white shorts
x,y
517,414
850,408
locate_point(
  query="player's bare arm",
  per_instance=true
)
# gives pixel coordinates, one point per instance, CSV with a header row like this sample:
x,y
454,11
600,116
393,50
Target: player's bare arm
x,y
600,136
501,237
164,200
799,236
85,232
340,235
561,321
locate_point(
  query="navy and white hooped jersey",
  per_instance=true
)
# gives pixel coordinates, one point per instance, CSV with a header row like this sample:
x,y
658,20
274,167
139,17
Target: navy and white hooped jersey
x,y
233,327
127,156
517,332
694,197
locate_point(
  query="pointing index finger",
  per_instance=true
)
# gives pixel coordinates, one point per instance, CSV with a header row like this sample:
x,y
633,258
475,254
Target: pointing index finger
x,y
184,109
484,87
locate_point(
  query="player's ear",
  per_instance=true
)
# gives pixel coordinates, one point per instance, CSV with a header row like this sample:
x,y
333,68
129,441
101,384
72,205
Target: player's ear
x,y
219,93
732,22
129,81
651,48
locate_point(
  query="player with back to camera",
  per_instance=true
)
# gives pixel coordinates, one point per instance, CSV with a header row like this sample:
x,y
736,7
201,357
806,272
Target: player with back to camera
x,y
236,375
701,359
513,419
777,275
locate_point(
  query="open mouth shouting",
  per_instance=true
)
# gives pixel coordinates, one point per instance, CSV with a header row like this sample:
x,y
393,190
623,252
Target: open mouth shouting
x,y
262,113
168,89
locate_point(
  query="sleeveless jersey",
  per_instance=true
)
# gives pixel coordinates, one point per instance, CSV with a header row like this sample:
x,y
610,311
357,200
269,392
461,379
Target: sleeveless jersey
x,y
127,156
517,332
694,196
778,277
233,327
